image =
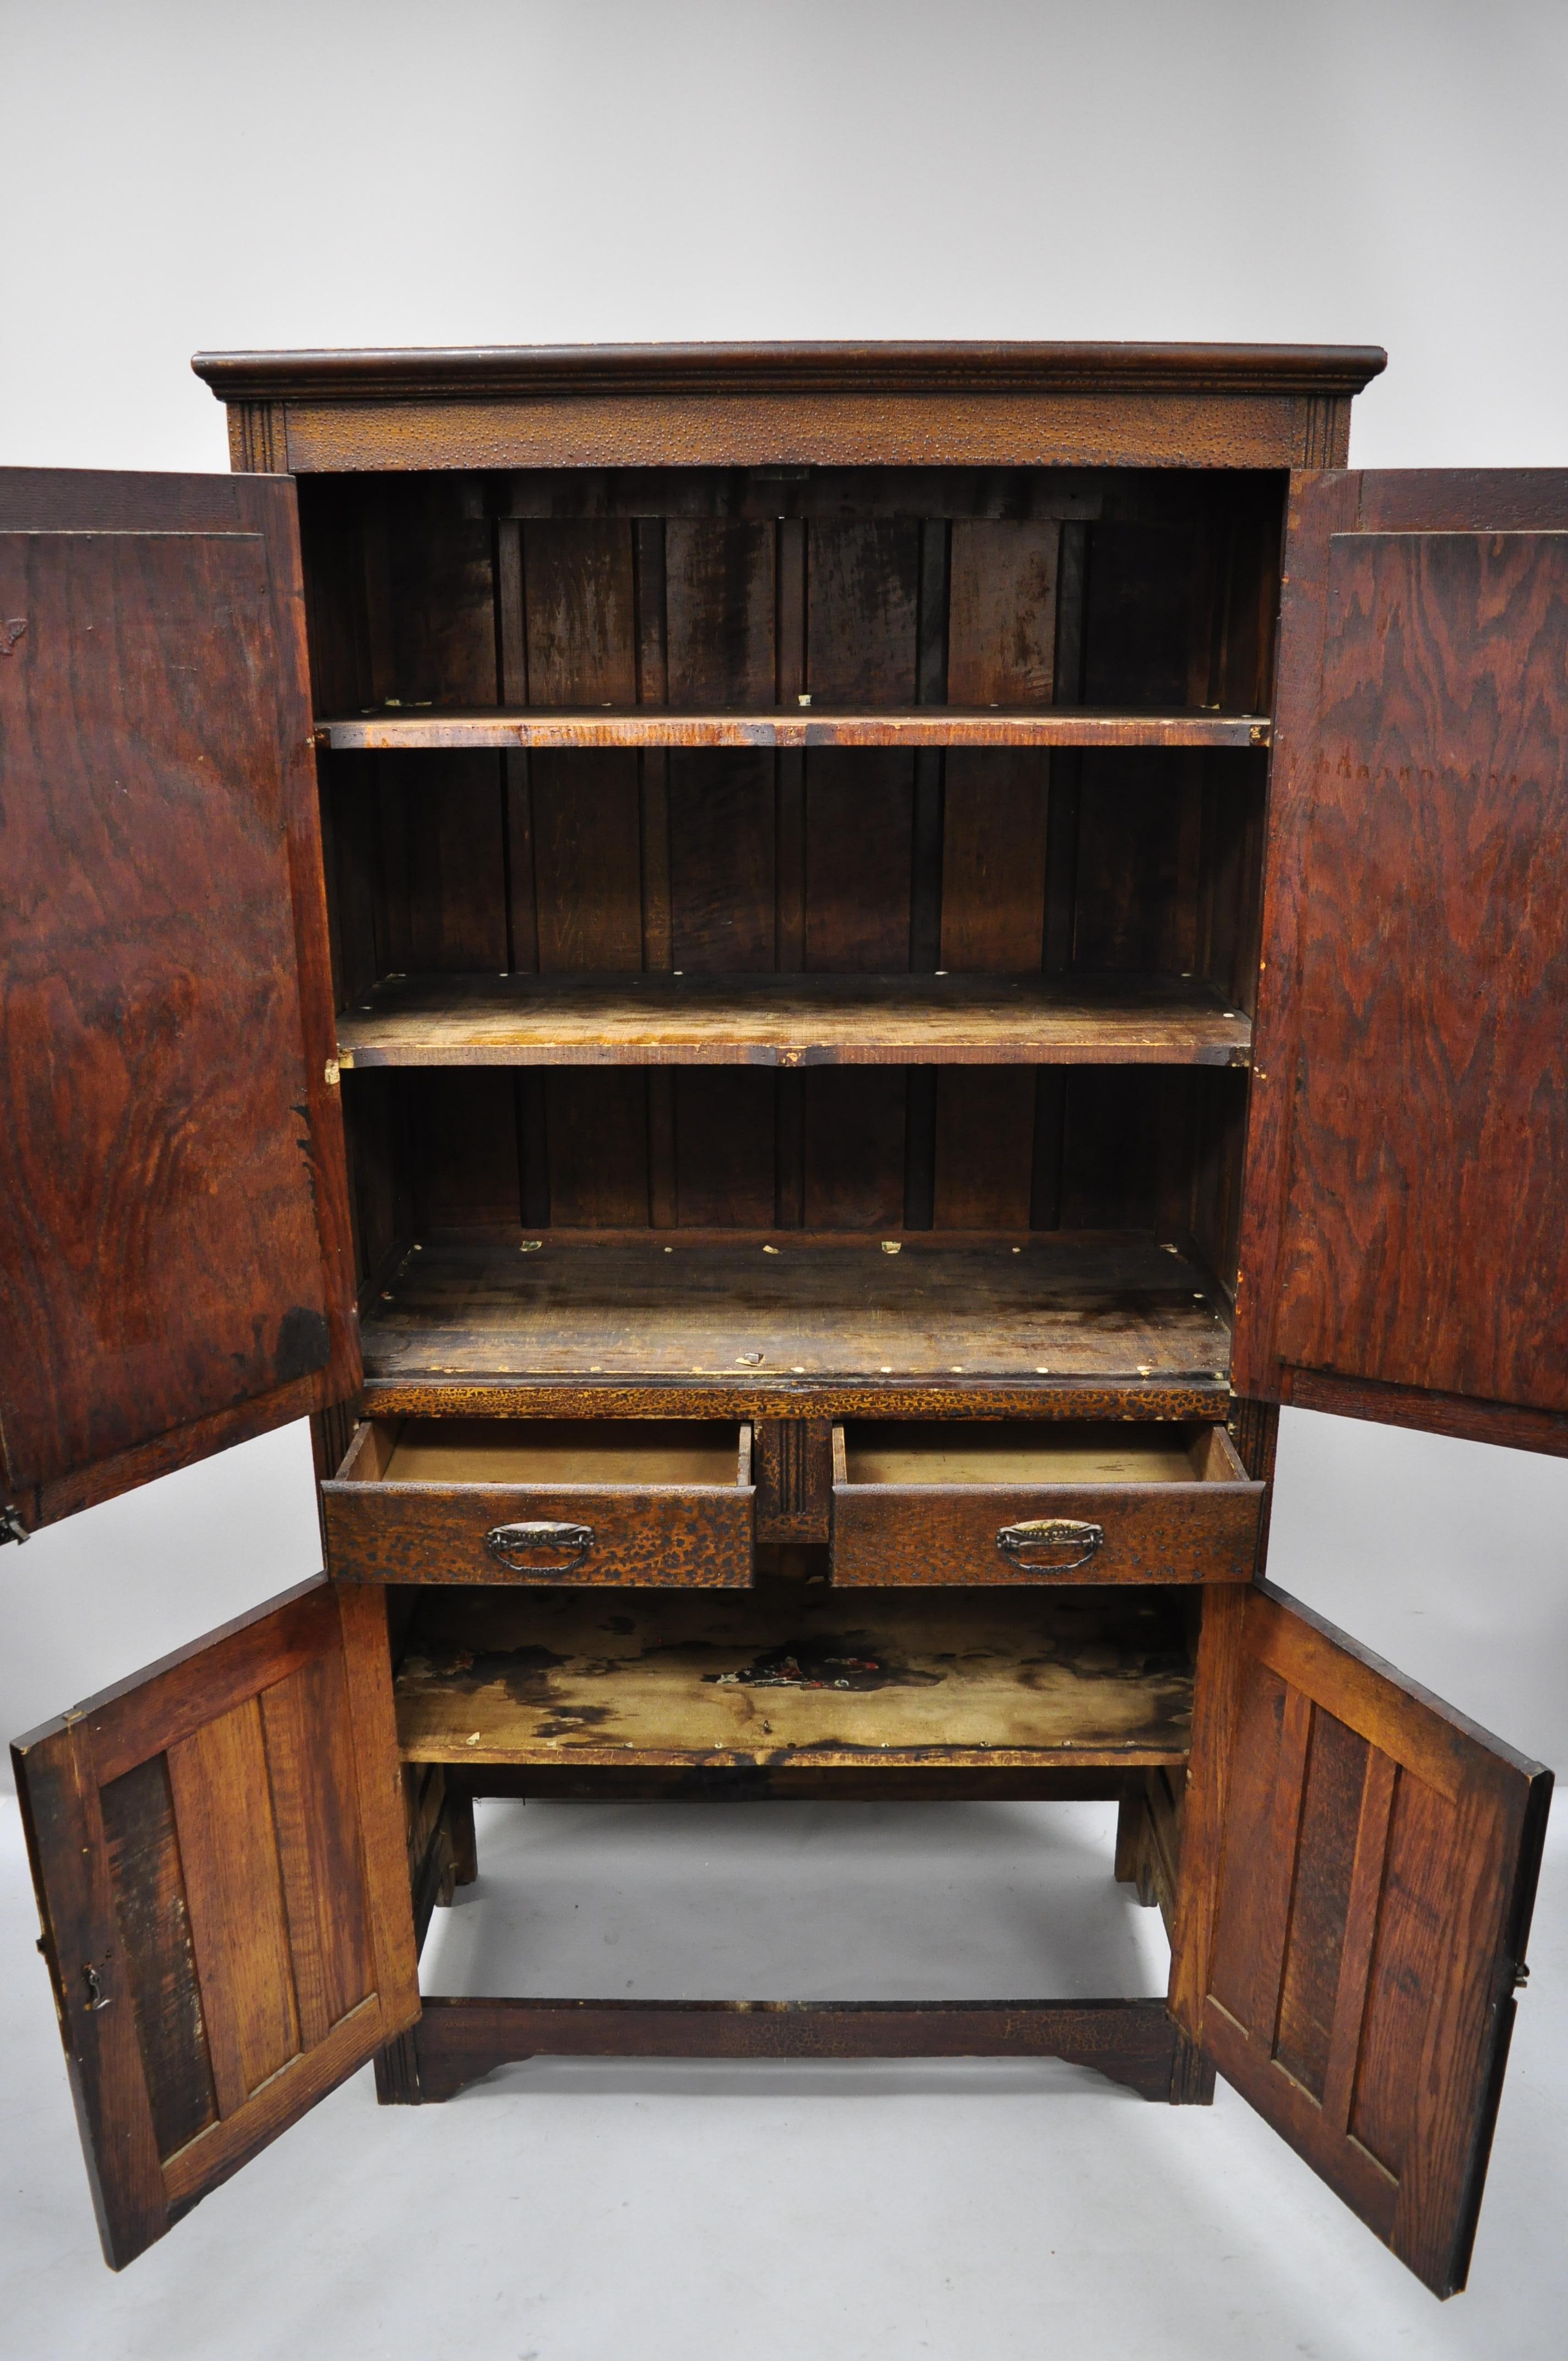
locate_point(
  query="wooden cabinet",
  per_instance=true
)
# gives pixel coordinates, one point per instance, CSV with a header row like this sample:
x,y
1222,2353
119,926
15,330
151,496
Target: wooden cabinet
x,y
803,982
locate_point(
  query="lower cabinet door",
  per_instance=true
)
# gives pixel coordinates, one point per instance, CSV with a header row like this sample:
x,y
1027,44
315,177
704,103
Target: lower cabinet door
x,y
1358,1868
973,1501
659,1504
218,1850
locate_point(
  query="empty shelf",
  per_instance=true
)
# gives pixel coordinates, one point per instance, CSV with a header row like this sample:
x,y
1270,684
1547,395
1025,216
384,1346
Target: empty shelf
x,y
792,1020
532,1677
752,1316
387,730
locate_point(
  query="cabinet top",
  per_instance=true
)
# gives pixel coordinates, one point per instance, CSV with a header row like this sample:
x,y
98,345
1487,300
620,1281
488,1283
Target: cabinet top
x,y
435,373
807,404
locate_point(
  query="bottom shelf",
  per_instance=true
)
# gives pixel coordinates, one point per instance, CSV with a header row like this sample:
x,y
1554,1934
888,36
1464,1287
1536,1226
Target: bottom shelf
x,y
796,1675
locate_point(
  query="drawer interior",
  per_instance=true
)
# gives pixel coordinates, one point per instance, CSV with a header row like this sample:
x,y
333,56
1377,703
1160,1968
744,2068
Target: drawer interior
x,y
1040,1452
793,1674
550,1452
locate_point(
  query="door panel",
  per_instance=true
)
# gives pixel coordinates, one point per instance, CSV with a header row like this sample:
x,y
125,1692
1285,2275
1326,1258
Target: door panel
x,y
173,1262
1377,1861
1405,1244
218,1850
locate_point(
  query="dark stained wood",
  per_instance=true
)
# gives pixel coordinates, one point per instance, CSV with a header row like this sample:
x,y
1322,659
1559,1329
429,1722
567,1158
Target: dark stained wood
x,y
819,1019
998,405
1379,1861
830,1311
929,1505
898,724
547,1675
175,1242
1130,2041
659,1504
793,1463
206,1839
1401,1226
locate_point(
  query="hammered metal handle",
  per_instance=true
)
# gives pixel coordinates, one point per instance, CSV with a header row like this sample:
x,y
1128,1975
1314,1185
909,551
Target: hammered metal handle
x,y
1050,1532
501,1540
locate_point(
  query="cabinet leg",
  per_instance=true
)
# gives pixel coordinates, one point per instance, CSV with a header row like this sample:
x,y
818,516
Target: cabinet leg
x,y
1191,2075
1132,1863
397,2072
460,1831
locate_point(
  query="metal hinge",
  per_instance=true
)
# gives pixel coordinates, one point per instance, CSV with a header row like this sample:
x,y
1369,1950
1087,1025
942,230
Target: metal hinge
x,y
12,1529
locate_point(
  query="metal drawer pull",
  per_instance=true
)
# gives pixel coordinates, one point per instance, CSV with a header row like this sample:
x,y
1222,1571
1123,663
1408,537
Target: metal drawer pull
x,y
1050,1532
577,1539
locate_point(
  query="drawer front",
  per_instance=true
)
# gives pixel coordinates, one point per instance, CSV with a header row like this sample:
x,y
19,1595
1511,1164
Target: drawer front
x,y
656,1536
901,1534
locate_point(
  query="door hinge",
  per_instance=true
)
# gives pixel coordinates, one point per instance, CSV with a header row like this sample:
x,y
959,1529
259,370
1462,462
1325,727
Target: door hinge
x,y
12,1529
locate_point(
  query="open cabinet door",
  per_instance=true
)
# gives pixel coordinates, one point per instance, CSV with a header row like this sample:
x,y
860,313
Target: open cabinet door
x,y
175,1263
1404,1242
1349,1958
218,1850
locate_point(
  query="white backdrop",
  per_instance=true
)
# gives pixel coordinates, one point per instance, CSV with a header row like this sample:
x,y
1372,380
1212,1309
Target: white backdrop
x,y
180,176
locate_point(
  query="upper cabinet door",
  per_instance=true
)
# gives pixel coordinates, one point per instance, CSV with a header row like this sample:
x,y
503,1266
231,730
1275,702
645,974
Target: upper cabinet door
x,y
1405,1246
175,1264
1377,1865
218,1850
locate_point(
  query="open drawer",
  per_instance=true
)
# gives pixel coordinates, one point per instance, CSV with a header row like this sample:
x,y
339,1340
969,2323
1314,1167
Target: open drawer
x,y
661,1503
1042,1503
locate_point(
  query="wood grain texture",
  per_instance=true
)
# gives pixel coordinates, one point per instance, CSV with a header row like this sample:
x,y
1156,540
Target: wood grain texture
x,y
920,1504
1098,1308
734,1019
521,1676
663,1505
177,1238
1403,1229
819,726
1379,1857
200,1841
1130,2041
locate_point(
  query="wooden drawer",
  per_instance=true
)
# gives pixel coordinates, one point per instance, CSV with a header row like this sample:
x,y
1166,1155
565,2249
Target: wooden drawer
x,y
982,1503
659,1503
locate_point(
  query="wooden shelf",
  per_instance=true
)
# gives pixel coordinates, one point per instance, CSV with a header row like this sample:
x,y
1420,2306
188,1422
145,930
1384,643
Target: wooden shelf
x,y
908,1681
793,1020
386,730
681,1324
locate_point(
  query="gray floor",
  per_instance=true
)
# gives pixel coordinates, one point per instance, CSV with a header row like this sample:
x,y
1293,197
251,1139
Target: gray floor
x,y
569,2211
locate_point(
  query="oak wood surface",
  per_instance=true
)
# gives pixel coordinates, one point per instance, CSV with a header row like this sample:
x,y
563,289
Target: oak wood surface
x,y
1089,1309
1403,1225
808,725
924,1505
659,1504
846,404
666,1678
225,1921
175,1247
1378,1865
795,1020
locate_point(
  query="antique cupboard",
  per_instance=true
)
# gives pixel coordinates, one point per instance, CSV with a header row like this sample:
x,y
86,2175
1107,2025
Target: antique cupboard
x,y
788,988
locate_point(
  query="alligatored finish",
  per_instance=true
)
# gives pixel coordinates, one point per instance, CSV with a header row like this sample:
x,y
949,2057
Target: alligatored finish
x,y
879,902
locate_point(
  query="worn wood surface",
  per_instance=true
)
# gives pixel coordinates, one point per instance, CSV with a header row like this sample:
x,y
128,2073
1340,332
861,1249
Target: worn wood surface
x,y
798,1020
803,727
660,1504
224,1898
173,1244
1088,1308
1378,1867
1402,1227
457,2040
927,1505
534,1676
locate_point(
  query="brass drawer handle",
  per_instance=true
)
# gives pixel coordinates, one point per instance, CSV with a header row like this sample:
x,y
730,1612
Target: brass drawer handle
x,y
1050,1532
576,1540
